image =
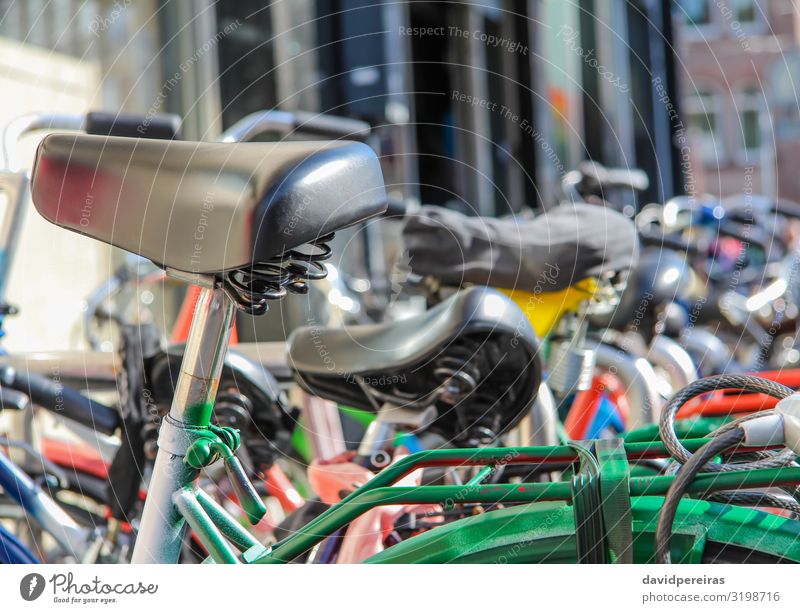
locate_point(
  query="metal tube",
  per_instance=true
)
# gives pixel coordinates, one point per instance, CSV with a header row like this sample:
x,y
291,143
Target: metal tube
x,y
481,475
18,127
257,123
714,482
287,549
674,359
342,514
203,527
639,380
226,524
162,526
541,422
16,187
42,509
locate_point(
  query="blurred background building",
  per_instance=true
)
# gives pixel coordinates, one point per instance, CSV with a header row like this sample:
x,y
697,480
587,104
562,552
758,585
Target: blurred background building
x,y
480,106
738,79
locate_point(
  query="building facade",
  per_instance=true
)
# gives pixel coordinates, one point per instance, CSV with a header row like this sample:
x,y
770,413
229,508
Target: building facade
x,y
737,70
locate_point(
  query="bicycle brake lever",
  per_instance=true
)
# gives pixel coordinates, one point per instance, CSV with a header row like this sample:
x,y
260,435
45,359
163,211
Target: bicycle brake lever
x,y
249,499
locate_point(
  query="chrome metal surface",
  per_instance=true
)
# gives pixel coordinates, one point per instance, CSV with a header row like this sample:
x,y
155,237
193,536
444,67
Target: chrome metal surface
x,y
283,123
388,421
257,123
640,381
709,351
668,355
19,127
162,526
101,368
571,368
540,426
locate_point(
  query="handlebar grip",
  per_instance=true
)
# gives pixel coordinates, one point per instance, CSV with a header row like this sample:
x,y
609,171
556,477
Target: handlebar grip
x,y
651,239
13,399
62,400
331,126
163,126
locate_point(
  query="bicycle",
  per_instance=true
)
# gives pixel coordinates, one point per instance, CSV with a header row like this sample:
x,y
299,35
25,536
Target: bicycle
x,y
263,263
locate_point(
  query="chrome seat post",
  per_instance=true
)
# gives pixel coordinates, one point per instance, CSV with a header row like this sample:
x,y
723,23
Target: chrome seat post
x,y
162,526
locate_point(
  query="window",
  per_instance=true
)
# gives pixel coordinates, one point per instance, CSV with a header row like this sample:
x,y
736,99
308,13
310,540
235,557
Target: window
x,y
698,19
744,11
703,125
749,104
695,12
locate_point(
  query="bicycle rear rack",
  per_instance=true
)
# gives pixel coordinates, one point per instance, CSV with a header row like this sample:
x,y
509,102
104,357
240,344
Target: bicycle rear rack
x,y
612,458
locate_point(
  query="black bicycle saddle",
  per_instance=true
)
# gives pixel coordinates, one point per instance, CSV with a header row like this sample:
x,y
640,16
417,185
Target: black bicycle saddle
x,y
477,346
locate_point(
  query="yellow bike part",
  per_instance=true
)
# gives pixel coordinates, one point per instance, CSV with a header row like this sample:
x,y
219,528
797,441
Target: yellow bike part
x,y
545,309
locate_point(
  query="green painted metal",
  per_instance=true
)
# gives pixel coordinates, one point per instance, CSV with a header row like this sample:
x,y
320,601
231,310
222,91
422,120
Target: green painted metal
x,y
199,414
229,528
616,501
480,476
378,491
543,533
696,427
220,443
211,444
343,513
714,482
203,526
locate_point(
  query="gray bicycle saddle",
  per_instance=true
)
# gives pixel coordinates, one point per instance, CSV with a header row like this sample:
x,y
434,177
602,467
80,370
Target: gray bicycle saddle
x,y
552,251
205,207
476,336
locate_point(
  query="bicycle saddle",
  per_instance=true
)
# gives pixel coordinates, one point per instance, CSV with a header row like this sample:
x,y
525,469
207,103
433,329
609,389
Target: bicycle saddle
x,y
550,252
474,356
205,207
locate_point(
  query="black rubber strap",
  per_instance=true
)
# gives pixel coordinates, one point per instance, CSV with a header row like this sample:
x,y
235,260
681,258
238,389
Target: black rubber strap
x,y
587,506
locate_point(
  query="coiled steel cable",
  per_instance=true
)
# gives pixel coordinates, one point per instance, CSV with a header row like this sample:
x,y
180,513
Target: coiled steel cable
x,y
747,383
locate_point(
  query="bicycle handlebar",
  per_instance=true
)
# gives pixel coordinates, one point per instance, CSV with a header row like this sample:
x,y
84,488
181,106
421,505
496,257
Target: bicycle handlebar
x,y
163,126
19,127
94,122
601,176
61,400
284,122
